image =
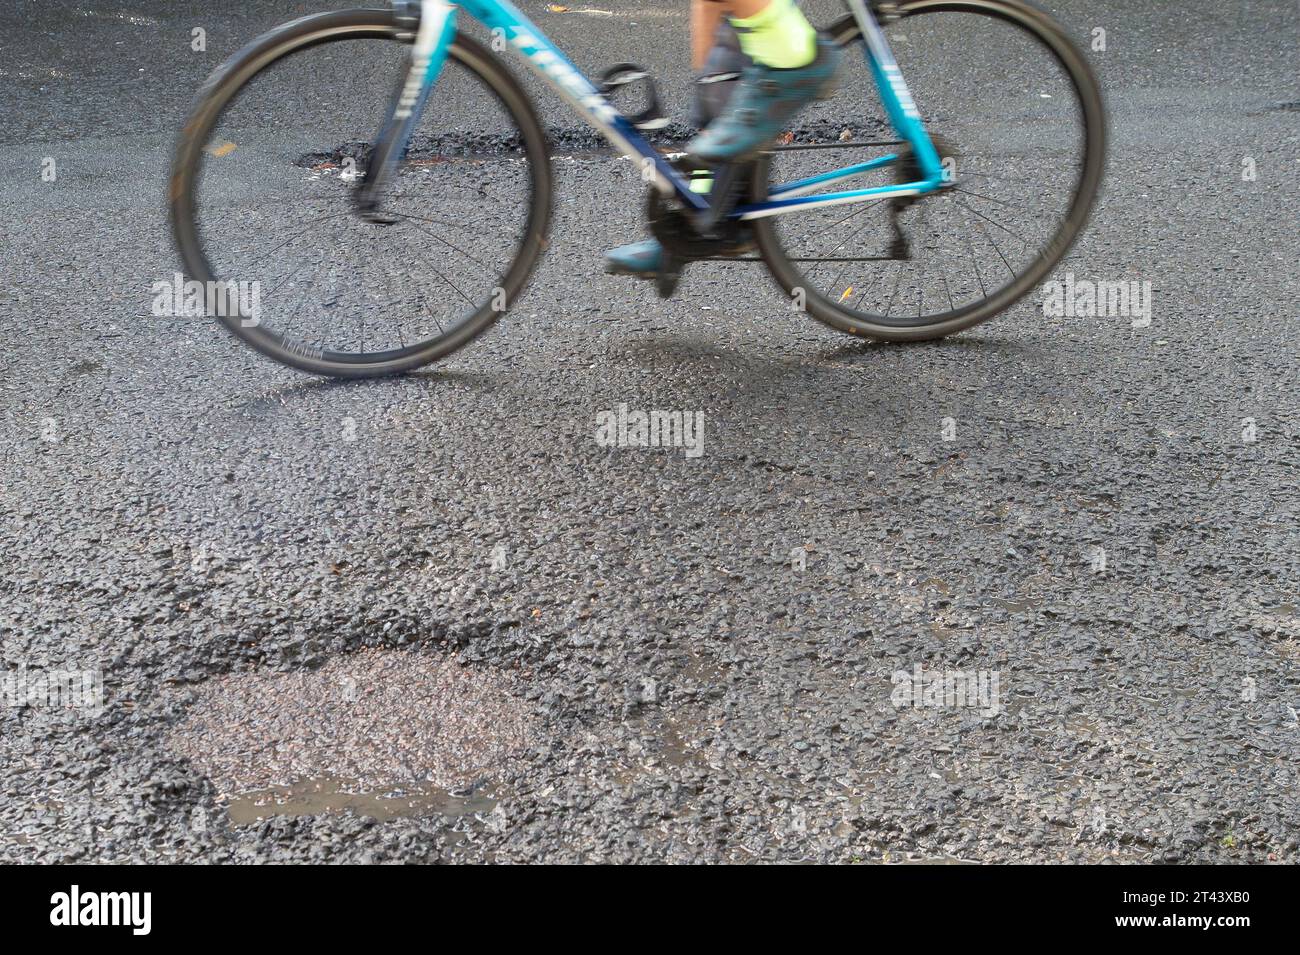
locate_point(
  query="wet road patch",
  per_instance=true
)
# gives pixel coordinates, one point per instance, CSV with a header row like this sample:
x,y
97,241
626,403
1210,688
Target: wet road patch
x,y
381,732
310,797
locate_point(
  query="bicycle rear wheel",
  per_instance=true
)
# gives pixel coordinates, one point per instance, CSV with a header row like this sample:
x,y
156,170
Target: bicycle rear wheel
x,y
264,178
1014,108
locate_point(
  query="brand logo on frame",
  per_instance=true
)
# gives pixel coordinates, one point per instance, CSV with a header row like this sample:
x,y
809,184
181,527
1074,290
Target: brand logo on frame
x,y
414,83
573,82
895,78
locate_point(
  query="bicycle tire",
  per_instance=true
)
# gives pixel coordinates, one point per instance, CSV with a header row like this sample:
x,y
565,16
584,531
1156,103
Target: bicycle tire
x,y
1045,30
222,88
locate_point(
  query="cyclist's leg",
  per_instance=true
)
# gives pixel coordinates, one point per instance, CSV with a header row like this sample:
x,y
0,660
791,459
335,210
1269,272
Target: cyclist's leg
x,y
642,258
705,17
788,66
774,32
792,67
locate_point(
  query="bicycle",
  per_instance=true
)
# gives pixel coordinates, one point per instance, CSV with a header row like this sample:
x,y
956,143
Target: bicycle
x,y
242,163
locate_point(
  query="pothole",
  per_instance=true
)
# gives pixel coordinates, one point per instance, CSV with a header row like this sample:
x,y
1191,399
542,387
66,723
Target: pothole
x,y
446,147
310,797
382,732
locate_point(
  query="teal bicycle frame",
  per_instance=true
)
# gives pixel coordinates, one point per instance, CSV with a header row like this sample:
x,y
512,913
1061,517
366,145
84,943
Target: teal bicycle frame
x,y
437,30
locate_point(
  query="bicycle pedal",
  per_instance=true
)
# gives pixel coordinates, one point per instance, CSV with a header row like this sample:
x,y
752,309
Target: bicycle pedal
x,y
669,274
626,74
666,283
728,179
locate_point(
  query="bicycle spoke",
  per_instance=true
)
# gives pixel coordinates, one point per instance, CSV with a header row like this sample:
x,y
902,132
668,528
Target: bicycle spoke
x,y
975,265
425,305
867,288
977,195
843,243
890,307
989,236
841,222
1018,238
438,238
402,292
298,235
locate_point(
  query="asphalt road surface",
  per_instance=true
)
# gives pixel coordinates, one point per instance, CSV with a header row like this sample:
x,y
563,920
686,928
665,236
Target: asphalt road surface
x,y
434,618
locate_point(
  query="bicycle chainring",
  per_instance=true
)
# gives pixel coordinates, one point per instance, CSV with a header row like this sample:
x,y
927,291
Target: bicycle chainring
x,y
671,225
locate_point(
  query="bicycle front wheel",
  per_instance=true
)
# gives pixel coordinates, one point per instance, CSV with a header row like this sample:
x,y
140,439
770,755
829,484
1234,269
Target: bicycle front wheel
x,y
1017,115
264,179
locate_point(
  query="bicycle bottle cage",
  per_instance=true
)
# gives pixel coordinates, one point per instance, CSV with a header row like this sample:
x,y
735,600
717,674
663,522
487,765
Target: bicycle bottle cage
x,y
406,17
886,11
626,74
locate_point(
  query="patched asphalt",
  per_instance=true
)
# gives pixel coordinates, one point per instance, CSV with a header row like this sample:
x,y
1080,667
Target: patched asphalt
x,y
705,650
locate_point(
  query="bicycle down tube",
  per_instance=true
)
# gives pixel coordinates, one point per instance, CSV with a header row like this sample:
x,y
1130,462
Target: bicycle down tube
x,y
507,22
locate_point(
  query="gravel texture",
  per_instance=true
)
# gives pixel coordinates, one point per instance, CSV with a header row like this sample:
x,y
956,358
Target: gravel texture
x,y
204,528
376,717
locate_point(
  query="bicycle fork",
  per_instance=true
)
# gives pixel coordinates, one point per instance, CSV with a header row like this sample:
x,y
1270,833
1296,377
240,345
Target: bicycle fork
x,y
922,158
431,25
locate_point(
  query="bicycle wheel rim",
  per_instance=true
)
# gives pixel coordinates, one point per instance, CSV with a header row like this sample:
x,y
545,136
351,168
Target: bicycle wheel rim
x,y
233,80
1082,189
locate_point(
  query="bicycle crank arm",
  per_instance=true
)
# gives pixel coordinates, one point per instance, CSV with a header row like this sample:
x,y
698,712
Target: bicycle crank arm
x,y
433,25
722,197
